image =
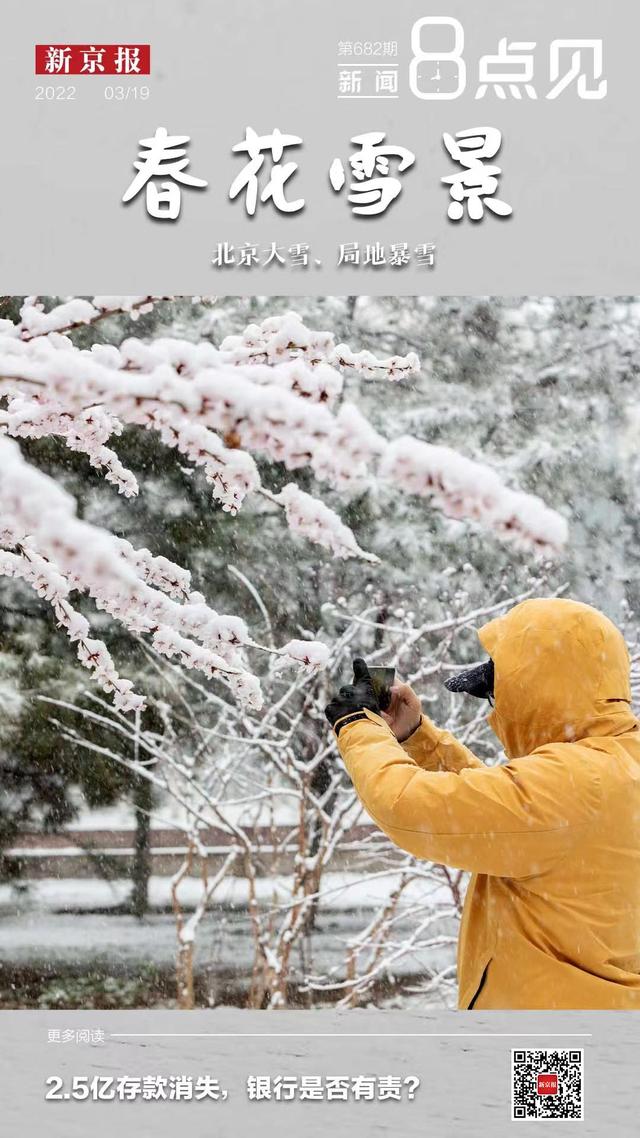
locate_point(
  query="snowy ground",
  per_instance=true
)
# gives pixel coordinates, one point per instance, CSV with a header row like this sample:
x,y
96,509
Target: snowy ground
x,y
340,891
224,942
60,925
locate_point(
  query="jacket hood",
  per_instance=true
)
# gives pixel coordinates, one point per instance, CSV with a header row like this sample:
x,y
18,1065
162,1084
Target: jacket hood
x,y
561,674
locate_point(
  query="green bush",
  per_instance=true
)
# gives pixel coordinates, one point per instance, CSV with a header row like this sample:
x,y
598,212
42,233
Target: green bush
x,y
102,992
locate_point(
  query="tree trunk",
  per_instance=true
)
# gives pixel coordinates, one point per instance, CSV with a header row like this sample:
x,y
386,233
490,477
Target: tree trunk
x,y
142,801
184,976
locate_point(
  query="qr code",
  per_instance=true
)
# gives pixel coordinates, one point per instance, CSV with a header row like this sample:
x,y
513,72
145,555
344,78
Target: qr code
x,y
547,1084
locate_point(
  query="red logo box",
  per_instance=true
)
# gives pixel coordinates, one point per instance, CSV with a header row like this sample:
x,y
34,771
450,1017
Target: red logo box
x,y
547,1084
93,59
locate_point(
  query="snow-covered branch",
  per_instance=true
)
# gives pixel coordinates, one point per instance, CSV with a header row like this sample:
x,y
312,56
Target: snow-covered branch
x,y
462,488
273,392
268,393
49,547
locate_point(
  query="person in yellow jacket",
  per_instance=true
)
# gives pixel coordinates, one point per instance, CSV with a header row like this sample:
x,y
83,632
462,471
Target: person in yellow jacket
x,y
551,837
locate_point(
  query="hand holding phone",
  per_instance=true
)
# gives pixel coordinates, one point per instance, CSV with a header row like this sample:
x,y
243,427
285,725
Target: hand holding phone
x,y
404,712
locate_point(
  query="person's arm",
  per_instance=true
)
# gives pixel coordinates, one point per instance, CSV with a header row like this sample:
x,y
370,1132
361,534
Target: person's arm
x,y
431,748
510,821
437,750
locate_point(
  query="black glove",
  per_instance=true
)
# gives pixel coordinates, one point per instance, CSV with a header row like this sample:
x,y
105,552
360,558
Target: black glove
x,y
353,698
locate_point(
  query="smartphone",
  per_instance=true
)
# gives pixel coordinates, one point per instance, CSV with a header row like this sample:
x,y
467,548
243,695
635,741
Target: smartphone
x,y
382,679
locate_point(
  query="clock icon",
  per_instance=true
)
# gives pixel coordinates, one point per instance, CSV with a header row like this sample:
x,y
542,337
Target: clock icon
x,y
438,79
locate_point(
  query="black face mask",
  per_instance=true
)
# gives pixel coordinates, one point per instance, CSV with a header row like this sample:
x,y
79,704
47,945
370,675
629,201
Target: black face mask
x,y
474,681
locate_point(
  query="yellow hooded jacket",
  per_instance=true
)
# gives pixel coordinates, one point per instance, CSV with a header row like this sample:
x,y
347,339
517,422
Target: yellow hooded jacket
x,y
552,837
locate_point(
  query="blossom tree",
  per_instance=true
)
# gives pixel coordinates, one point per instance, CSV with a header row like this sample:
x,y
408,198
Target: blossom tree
x,y
272,392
